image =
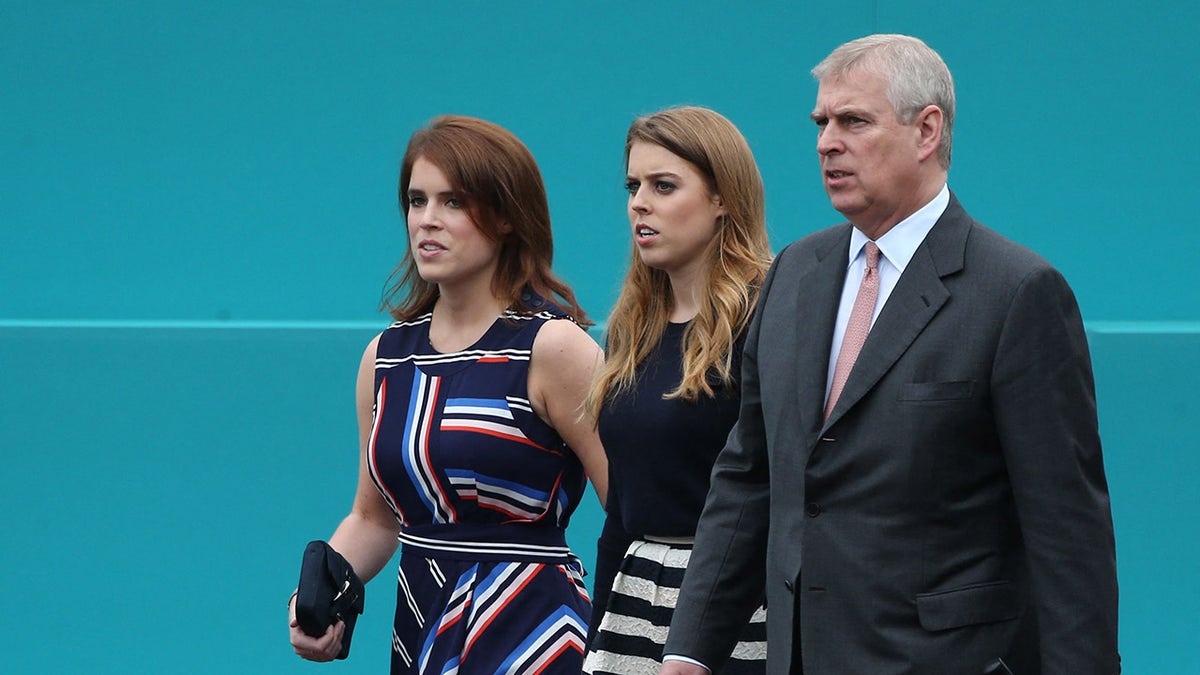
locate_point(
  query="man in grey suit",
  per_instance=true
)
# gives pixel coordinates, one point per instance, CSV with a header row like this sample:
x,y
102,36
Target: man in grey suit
x,y
937,504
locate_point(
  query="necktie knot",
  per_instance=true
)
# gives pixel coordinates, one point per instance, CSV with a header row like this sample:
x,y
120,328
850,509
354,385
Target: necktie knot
x,y
857,327
872,255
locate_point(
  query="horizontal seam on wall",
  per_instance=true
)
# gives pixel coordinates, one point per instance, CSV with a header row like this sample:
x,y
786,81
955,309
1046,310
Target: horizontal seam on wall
x,y
205,324
1098,327
1143,327
188,324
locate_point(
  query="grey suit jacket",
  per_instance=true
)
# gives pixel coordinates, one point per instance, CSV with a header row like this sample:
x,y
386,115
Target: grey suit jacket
x,y
952,510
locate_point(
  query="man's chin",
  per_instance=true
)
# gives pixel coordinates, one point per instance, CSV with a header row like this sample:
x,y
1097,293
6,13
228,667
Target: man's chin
x,y
847,207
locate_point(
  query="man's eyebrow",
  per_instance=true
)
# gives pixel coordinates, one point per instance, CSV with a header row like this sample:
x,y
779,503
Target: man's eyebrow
x,y
848,111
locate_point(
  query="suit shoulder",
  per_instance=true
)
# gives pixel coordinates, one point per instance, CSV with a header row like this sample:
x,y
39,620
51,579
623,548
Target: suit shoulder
x,y
817,242
1001,253
1003,267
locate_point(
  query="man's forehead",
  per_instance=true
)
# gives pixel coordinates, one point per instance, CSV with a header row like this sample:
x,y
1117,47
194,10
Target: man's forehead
x,y
864,90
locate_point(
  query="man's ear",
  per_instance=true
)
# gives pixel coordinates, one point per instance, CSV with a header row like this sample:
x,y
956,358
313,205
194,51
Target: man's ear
x,y
929,123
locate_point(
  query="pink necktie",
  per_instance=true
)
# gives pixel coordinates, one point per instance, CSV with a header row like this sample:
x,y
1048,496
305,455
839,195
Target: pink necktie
x,y
858,326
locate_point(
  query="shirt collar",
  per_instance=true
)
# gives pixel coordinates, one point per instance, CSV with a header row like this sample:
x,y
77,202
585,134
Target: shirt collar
x,y
899,244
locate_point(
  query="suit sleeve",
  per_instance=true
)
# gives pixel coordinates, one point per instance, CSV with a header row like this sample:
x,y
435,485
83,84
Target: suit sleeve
x,y
725,578
1045,410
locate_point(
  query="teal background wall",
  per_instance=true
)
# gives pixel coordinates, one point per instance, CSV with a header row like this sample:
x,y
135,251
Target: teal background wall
x,y
198,213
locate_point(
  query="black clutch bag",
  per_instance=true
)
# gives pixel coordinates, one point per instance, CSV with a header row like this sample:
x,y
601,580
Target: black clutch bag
x,y
329,592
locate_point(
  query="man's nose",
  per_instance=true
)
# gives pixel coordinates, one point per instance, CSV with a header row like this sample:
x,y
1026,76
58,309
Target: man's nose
x,y
828,140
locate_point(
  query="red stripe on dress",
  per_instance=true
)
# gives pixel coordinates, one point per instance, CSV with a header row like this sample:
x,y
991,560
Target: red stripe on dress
x,y
572,643
380,400
442,495
498,434
494,611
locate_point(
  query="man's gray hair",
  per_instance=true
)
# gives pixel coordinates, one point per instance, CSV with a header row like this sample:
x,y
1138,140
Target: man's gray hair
x,y
916,77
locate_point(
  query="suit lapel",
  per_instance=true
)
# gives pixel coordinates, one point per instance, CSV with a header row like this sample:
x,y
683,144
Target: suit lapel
x,y
818,294
917,297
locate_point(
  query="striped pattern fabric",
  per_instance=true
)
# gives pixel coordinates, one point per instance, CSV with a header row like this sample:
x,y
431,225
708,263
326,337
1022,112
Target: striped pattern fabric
x,y
634,628
483,490
478,617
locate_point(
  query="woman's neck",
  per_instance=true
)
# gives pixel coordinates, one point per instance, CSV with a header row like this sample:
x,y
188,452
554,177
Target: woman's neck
x,y
459,320
684,293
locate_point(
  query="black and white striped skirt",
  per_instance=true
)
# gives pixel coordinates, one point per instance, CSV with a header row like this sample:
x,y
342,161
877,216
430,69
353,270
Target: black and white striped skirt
x,y
634,627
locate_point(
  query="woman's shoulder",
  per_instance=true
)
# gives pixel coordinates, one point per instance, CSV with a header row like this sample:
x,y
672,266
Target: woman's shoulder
x,y
564,339
531,305
401,324
532,311
401,337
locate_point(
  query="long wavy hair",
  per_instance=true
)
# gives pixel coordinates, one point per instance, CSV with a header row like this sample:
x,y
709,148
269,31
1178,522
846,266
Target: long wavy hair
x,y
498,181
737,259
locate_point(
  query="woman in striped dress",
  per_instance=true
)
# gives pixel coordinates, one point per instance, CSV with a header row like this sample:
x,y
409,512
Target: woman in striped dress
x,y
474,453
667,395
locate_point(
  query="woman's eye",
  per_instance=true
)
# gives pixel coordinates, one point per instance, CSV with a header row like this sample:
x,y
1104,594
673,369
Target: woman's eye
x,y
663,186
631,186
416,201
453,203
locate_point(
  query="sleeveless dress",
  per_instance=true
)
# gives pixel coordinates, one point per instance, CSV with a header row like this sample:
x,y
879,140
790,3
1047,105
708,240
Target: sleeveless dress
x,y
660,454
483,490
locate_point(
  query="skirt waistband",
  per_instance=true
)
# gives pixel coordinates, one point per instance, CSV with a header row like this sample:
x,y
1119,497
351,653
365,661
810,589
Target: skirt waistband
x,y
682,542
488,542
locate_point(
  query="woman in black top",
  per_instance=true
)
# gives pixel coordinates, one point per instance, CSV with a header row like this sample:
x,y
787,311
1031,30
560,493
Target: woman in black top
x,y
667,395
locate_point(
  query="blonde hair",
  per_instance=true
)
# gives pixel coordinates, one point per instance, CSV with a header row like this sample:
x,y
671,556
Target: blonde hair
x,y
737,259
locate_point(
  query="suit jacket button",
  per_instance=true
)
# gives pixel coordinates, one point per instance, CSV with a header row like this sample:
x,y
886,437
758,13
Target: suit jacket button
x,y
813,509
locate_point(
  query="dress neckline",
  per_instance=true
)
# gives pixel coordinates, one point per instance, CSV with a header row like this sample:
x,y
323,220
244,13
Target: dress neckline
x,y
433,350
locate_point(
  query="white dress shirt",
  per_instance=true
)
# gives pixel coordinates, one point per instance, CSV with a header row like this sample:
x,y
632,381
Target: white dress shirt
x,y
896,247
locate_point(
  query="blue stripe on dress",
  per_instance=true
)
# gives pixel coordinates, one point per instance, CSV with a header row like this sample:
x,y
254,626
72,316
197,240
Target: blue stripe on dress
x,y
421,404
478,403
563,627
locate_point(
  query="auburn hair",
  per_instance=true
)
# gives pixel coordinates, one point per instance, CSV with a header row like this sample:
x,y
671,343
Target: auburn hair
x,y
498,181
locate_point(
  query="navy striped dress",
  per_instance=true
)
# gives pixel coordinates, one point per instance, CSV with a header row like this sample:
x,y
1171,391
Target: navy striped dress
x,y
483,490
